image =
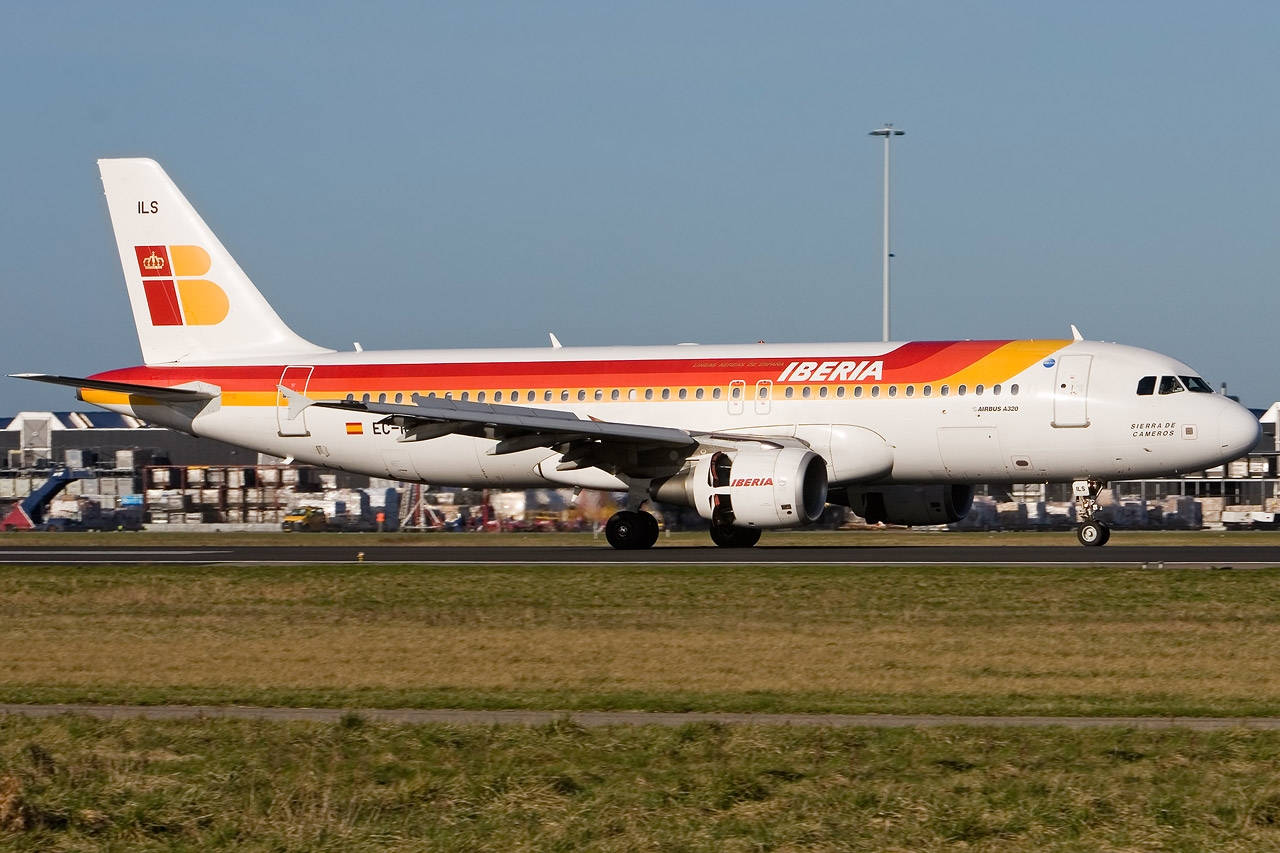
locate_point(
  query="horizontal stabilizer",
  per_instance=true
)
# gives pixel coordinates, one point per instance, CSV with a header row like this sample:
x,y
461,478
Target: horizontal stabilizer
x,y
155,392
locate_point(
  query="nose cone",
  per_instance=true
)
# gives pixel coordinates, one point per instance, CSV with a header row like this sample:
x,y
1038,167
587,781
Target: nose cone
x,y
1238,430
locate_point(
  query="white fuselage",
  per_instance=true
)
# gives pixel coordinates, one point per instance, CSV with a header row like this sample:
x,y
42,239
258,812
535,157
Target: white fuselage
x,y
1070,413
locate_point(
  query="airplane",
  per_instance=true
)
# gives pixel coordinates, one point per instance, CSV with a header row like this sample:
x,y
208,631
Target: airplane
x,y
753,437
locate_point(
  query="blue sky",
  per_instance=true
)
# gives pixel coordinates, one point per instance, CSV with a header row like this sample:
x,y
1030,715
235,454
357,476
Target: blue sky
x,y
477,174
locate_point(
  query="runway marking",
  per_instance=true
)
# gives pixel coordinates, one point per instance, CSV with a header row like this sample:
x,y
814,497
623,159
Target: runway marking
x,y
417,716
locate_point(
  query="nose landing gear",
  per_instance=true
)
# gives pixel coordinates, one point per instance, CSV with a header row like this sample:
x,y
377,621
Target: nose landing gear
x,y
1089,532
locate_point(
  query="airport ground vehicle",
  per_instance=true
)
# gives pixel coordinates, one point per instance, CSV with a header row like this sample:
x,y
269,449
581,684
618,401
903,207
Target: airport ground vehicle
x,y
309,519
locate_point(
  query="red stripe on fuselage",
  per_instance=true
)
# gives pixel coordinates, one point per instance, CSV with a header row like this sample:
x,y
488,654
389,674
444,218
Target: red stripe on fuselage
x,y
913,362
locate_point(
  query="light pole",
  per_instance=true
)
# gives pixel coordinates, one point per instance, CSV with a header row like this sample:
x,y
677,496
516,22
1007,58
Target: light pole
x,y
888,132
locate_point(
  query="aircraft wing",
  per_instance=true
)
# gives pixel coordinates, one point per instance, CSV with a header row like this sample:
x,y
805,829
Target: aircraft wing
x,y
155,392
635,449
515,427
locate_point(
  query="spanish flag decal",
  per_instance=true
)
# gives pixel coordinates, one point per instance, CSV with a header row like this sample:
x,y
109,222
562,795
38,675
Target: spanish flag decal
x,y
355,428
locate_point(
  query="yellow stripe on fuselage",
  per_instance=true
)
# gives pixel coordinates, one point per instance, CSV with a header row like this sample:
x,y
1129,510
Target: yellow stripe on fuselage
x,y
1007,361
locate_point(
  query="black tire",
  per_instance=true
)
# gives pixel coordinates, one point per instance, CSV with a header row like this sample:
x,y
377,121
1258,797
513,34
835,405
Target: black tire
x,y
649,524
627,530
287,527
734,537
1092,534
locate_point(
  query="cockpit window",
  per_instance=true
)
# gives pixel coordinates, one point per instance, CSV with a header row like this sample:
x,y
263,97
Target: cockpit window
x,y
1197,385
1146,386
1170,385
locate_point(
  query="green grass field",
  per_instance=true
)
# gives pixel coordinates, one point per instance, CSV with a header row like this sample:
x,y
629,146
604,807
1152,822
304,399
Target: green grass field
x,y
747,638
73,784
738,638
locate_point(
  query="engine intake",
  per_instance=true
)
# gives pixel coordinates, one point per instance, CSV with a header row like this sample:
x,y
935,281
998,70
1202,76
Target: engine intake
x,y
752,488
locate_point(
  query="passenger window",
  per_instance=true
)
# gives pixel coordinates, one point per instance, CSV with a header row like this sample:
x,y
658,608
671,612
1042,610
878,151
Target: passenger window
x,y
736,392
715,393
1170,385
806,391
790,392
857,390
944,390
893,390
1146,386
364,398
530,396
564,395
928,390
1196,385
479,396
684,393
666,393
875,390
699,393
582,395
465,396
613,395
648,393
599,395
822,392
1013,389
911,390
977,389
960,389
546,395
995,389
382,398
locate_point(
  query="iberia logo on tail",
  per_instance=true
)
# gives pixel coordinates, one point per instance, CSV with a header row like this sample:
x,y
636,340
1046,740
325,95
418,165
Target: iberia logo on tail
x,y
176,296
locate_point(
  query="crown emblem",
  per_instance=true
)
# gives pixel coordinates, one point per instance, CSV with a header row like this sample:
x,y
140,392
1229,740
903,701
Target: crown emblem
x,y
153,261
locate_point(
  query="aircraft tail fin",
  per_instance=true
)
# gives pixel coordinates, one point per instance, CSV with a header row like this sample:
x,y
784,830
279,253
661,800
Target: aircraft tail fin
x,y
191,301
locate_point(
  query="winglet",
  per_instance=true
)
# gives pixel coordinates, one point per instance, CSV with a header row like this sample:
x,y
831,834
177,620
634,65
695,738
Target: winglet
x,y
1075,333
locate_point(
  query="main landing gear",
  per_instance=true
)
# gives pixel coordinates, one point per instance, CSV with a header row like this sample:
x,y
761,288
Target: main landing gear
x,y
1089,531
727,536
630,530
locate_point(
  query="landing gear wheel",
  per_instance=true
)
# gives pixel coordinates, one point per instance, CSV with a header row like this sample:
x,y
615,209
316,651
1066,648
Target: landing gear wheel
x,y
628,530
1093,533
734,537
650,526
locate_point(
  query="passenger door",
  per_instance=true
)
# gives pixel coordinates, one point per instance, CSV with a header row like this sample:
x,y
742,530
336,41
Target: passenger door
x,y
1071,391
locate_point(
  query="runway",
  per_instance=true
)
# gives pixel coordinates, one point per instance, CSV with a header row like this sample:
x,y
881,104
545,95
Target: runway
x,y
1143,556
460,717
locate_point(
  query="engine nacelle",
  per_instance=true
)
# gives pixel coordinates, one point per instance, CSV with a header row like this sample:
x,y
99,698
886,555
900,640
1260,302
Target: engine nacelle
x,y
941,504
786,487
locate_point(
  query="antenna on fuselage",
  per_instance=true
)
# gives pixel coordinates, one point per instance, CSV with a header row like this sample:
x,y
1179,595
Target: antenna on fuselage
x,y
1075,333
555,342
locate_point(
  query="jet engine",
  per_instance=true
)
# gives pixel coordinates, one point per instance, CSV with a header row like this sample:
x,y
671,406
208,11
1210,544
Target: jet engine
x,y
940,504
784,487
